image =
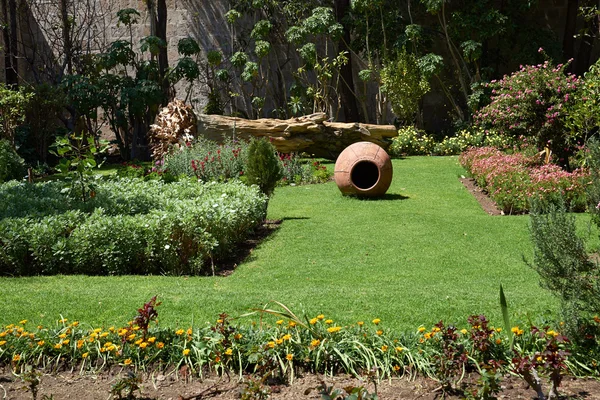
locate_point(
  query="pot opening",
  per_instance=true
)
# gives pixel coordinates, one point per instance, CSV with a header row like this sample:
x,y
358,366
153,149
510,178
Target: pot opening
x,y
364,175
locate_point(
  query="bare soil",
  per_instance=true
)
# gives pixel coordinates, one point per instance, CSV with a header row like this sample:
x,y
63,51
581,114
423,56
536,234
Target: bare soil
x,y
487,204
68,385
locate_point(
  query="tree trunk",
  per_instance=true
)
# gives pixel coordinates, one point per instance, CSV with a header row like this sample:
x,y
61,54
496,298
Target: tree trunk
x,y
9,33
311,134
66,35
584,54
163,60
349,105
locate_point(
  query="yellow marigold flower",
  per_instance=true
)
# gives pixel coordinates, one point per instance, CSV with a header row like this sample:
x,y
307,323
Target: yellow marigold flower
x,y
94,335
289,357
516,330
329,321
334,329
237,336
97,330
379,332
23,322
360,323
399,349
428,335
498,330
552,333
229,352
111,347
271,345
41,343
291,324
539,358
384,348
179,332
62,321
278,341
396,368
62,335
16,357
313,321
143,345
139,341
102,349
320,316
2,334
80,343
286,336
75,324
20,330
131,337
66,342
315,342
151,339
111,329
136,328
10,326
376,321
186,352
2,342
160,345
31,336
435,329
91,340
498,341
421,329
85,355
58,346
127,361
104,334
189,331
279,322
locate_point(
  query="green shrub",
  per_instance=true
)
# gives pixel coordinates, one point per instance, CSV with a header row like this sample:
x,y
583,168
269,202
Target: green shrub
x,y
533,103
129,227
411,141
583,114
263,167
561,260
11,165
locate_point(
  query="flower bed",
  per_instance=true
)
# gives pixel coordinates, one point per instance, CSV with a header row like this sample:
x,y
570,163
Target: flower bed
x,y
292,344
129,226
513,181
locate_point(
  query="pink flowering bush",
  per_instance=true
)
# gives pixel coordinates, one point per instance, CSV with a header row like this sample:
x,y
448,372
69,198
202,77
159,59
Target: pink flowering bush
x,y
532,103
513,181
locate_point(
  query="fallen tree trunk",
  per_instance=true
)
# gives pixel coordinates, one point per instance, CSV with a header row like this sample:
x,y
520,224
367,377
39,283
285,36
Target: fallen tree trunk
x,y
311,134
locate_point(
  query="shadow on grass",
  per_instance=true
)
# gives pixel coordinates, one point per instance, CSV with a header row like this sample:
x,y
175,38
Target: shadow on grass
x,y
243,252
385,197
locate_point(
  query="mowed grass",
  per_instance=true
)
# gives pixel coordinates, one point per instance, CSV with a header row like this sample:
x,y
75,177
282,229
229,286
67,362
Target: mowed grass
x,y
424,253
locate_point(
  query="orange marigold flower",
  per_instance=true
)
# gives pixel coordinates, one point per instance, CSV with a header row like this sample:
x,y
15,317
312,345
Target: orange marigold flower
x,y
379,332
41,343
151,339
179,332
313,321
384,348
278,341
160,345
498,341
139,341
58,346
315,342
62,335
360,323
320,316
16,357
289,357
271,345
396,368
291,324
186,352
189,331
237,336
143,345
66,342
286,336
127,361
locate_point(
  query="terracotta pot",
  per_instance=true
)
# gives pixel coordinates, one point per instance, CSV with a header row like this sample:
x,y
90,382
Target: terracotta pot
x,y
363,169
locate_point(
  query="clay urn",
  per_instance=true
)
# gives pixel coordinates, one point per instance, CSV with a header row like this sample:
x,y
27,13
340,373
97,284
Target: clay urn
x,y
363,169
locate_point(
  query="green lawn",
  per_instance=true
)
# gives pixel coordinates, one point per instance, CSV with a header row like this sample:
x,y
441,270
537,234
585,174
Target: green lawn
x,y
424,253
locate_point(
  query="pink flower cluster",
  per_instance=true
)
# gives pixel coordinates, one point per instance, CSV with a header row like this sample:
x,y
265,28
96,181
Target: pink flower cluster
x,y
514,180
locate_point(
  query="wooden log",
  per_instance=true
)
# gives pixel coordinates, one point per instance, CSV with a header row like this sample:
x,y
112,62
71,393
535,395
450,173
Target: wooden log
x,y
312,134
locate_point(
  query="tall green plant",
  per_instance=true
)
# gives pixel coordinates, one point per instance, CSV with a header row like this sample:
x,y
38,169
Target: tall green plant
x,y
263,167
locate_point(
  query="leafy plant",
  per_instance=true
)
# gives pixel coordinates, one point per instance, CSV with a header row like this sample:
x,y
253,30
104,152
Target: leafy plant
x,y
263,167
78,152
13,103
147,314
11,165
126,387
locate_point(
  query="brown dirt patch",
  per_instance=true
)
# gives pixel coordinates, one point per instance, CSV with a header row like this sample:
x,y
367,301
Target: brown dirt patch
x,y
487,204
158,386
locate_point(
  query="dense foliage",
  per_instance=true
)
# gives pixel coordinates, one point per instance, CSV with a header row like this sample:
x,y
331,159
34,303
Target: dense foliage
x,y
514,181
129,226
11,164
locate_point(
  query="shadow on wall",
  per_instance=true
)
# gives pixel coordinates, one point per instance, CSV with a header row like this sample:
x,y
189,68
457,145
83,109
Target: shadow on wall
x,y
206,23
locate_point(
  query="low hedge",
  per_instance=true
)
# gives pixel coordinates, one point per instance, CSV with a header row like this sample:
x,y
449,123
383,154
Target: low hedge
x,y
129,227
